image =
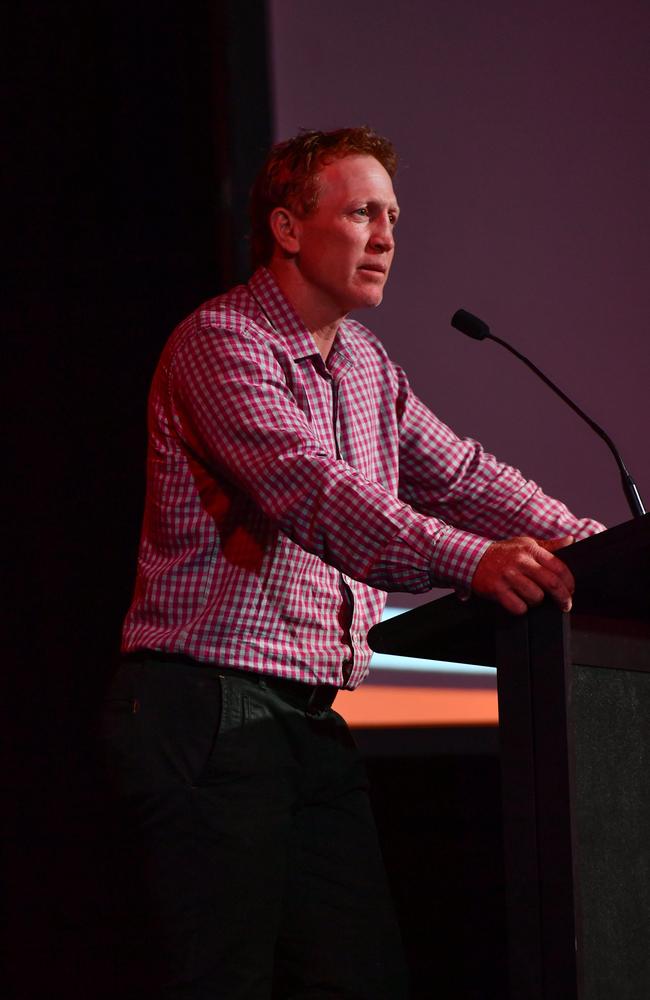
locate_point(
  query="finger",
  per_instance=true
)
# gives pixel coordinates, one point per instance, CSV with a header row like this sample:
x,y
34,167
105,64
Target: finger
x,y
552,544
517,590
509,600
549,574
524,594
557,567
528,588
555,586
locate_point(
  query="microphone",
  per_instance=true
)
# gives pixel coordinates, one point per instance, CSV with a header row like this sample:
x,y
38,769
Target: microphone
x,y
476,328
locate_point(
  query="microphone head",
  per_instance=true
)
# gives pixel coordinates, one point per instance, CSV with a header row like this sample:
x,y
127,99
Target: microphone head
x,y
470,325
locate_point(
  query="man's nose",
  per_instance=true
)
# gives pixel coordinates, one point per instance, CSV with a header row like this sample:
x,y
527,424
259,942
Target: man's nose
x,y
382,238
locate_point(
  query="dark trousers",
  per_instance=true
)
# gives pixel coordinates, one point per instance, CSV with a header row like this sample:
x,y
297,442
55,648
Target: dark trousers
x,y
253,818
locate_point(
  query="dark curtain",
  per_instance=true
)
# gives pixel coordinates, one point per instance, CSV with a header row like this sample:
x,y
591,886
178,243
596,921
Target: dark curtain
x,y
134,132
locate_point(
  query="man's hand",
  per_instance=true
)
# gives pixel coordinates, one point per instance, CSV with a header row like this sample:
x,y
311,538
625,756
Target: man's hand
x,y
518,573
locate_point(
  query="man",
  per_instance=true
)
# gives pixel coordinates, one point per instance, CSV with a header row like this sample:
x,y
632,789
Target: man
x,y
293,479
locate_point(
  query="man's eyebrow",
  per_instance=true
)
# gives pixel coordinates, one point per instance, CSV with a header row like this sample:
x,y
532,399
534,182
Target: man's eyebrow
x,y
392,206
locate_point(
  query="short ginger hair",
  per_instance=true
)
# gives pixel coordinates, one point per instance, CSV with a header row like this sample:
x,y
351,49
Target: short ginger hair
x,y
289,176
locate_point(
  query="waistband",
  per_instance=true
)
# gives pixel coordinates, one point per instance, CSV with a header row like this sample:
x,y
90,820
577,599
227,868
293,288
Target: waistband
x,y
312,698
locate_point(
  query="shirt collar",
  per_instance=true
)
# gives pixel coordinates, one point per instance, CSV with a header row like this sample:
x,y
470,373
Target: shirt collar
x,y
285,320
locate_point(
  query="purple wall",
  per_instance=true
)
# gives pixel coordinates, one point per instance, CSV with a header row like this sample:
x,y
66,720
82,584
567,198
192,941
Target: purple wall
x,y
524,142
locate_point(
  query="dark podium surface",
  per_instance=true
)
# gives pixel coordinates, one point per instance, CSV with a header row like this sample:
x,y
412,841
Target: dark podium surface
x,y
574,734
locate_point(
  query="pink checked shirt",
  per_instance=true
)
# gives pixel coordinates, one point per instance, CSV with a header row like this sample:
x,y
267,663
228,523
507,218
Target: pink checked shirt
x,y
285,495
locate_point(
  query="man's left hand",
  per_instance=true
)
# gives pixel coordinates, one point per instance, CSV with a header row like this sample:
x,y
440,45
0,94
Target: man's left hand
x,y
519,572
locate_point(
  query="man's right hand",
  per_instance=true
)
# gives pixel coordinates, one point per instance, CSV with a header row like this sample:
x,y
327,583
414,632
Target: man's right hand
x,y
519,572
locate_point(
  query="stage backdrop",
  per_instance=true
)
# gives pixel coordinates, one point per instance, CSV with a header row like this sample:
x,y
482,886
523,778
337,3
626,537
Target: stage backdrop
x,y
524,150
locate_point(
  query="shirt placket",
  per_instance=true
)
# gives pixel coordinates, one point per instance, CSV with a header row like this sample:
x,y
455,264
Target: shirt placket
x,y
347,596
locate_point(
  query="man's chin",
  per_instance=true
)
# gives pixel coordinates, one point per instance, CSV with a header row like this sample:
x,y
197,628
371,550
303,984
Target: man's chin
x,y
369,299
374,300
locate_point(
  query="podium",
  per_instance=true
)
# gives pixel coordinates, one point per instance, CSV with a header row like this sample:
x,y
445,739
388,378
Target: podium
x,y
574,738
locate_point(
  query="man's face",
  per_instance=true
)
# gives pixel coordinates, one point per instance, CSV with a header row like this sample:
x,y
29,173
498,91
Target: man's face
x,y
346,245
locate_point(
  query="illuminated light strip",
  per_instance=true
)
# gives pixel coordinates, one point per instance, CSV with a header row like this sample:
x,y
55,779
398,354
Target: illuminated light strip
x,y
388,661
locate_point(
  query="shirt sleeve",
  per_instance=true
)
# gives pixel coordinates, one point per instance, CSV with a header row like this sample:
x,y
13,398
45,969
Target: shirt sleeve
x,y
232,407
470,489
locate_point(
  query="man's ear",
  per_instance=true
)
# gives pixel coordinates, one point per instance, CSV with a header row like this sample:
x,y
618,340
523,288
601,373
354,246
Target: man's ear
x,y
286,230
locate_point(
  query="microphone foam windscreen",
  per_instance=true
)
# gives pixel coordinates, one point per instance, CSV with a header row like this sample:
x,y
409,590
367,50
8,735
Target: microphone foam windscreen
x,y
470,325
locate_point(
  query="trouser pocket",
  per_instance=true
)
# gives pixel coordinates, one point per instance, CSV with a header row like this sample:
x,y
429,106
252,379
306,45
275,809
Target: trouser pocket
x,y
159,724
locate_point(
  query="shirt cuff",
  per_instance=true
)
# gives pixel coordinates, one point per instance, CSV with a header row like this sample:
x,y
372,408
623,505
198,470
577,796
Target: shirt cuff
x,y
456,557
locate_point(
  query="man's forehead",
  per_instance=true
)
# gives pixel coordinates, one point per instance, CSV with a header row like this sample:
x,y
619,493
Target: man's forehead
x,y
356,174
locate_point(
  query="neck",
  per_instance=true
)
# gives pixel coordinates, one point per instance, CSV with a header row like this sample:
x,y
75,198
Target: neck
x,y
321,316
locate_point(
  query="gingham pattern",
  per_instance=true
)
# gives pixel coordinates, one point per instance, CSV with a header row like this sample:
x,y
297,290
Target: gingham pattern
x,y
282,492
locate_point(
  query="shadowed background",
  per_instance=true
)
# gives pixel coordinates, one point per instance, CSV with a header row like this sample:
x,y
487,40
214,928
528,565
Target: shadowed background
x,y
524,146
